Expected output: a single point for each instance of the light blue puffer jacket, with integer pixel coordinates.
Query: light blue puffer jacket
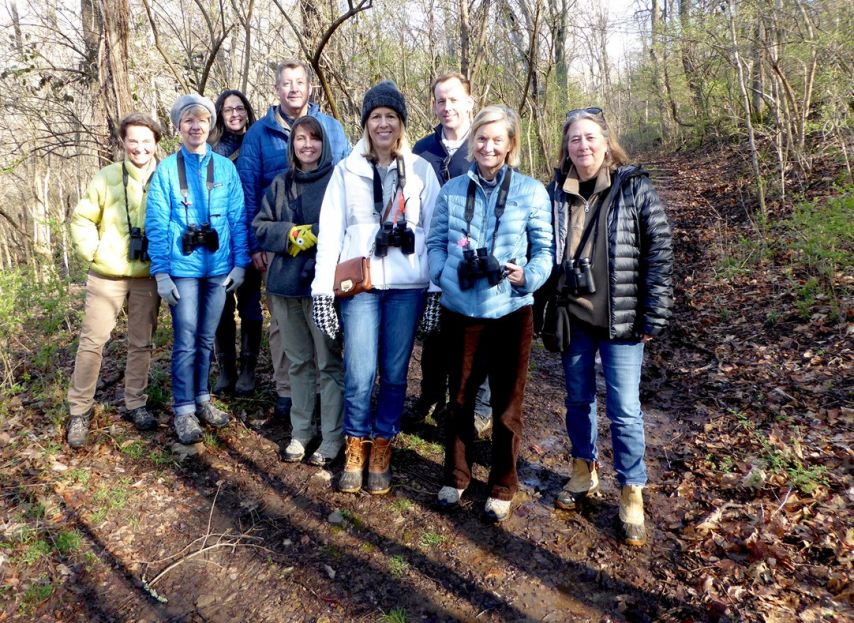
(166, 218)
(524, 234)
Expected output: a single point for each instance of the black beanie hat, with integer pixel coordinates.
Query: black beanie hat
(384, 93)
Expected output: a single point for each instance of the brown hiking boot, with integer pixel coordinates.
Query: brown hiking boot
(631, 515)
(357, 451)
(379, 469)
(584, 480)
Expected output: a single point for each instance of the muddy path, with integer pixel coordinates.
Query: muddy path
(232, 533)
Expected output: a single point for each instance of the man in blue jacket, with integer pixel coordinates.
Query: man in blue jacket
(263, 156)
(446, 149)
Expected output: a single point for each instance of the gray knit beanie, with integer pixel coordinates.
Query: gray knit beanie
(193, 99)
(384, 93)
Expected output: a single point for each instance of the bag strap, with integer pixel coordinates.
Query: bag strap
(592, 224)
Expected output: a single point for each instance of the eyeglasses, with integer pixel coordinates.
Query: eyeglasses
(240, 110)
(593, 110)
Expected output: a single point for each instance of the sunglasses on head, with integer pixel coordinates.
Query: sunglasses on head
(593, 110)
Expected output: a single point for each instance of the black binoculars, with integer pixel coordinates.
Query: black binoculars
(199, 236)
(394, 235)
(478, 263)
(138, 248)
(579, 276)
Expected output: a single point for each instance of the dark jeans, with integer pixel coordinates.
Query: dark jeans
(434, 374)
(247, 301)
(499, 349)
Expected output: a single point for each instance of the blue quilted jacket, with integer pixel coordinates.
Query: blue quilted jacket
(524, 234)
(264, 154)
(166, 217)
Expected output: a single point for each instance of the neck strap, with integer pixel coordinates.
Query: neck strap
(125, 185)
(185, 191)
(378, 192)
(592, 225)
(500, 204)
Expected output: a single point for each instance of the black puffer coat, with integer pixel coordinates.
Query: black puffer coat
(640, 253)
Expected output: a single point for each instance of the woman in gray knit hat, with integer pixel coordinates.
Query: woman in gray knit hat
(197, 240)
(378, 205)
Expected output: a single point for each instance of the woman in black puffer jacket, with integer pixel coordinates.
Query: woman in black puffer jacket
(614, 278)
(287, 225)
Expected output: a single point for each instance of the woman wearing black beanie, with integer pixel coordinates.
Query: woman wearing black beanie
(378, 205)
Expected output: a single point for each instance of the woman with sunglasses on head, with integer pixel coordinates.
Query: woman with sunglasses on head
(490, 248)
(234, 115)
(614, 261)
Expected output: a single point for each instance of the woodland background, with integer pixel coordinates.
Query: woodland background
(774, 75)
(741, 109)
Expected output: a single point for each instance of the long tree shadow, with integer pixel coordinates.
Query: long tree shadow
(518, 552)
(100, 599)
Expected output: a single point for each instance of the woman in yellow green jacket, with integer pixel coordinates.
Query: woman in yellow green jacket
(107, 228)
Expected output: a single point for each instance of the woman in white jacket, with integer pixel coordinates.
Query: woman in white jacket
(378, 204)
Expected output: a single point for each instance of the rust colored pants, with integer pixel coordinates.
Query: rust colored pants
(500, 349)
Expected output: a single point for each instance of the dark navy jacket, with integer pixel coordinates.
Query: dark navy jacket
(433, 151)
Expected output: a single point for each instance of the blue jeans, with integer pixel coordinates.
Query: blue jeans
(194, 322)
(621, 363)
(379, 327)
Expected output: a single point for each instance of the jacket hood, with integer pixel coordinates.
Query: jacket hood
(325, 154)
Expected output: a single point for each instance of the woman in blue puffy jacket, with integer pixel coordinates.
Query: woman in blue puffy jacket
(490, 247)
(196, 226)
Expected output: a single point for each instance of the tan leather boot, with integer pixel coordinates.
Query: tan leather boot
(631, 515)
(357, 451)
(379, 468)
(584, 480)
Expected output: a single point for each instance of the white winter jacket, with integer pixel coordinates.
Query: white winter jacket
(349, 224)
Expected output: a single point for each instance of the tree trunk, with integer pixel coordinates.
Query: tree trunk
(561, 68)
(465, 38)
(692, 77)
(745, 100)
(658, 69)
(16, 24)
(105, 38)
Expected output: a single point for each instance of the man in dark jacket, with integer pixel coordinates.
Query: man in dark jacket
(446, 149)
(263, 156)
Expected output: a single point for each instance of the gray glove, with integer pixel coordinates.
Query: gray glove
(430, 318)
(234, 279)
(166, 288)
(324, 315)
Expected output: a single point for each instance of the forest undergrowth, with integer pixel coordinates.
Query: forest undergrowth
(751, 507)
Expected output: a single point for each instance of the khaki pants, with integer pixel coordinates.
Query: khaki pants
(105, 299)
(315, 363)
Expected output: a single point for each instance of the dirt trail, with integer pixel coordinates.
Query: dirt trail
(280, 544)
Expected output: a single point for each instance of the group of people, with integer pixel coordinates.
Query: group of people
(455, 241)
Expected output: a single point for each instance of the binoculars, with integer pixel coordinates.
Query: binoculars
(138, 248)
(394, 235)
(199, 236)
(478, 263)
(579, 276)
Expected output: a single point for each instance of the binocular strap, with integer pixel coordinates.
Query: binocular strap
(185, 191)
(500, 204)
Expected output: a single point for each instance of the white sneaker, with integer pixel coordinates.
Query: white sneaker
(497, 510)
(294, 452)
(448, 497)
